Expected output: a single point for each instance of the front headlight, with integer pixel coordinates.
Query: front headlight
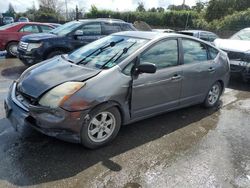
(58, 95)
(32, 46)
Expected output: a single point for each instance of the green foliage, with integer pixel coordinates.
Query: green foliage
(140, 7)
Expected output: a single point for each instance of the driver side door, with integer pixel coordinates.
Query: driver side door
(158, 92)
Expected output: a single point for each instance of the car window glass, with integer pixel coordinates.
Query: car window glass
(30, 29)
(91, 29)
(45, 28)
(163, 54)
(110, 28)
(213, 52)
(193, 51)
(212, 37)
(204, 36)
(126, 27)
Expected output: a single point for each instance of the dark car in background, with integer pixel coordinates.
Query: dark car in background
(203, 35)
(11, 34)
(66, 38)
(75, 97)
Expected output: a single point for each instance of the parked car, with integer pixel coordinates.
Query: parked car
(163, 30)
(66, 38)
(55, 24)
(8, 20)
(11, 34)
(203, 35)
(86, 96)
(238, 50)
(23, 19)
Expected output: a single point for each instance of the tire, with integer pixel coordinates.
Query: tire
(55, 53)
(213, 95)
(93, 133)
(11, 49)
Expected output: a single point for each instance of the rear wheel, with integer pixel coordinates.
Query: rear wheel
(102, 127)
(213, 95)
(12, 49)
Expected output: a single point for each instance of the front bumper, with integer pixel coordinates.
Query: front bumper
(240, 68)
(57, 123)
(29, 58)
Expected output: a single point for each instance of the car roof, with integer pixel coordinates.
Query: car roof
(102, 19)
(150, 35)
(194, 31)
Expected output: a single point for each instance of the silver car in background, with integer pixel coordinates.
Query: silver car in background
(86, 96)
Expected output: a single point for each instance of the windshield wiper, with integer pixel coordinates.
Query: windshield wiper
(101, 49)
(124, 51)
(67, 59)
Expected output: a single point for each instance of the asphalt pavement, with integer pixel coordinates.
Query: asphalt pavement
(192, 147)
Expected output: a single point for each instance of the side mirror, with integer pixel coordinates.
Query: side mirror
(146, 68)
(78, 33)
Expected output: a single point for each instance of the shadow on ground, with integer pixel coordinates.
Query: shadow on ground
(32, 158)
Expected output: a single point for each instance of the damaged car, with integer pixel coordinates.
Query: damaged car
(86, 96)
(238, 50)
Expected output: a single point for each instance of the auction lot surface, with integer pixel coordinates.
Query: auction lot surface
(192, 147)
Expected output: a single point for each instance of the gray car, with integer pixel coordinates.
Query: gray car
(86, 96)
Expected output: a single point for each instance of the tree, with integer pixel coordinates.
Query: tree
(160, 9)
(217, 9)
(199, 6)
(152, 9)
(10, 11)
(140, 7)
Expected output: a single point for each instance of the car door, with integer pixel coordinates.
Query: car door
(90, 33)
(198, 71)
(158, 92)
(109, 28)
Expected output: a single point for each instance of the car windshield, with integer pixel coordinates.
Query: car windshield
(106, 52)
(7, 18)
(8, 26)
(65, 28)
(242, 35)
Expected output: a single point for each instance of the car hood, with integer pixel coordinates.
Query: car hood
(233, 45)
(38, 37)
(42, 77)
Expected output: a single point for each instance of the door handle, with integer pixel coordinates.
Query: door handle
(176, 77)
(211, 69)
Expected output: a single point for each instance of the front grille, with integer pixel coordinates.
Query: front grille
(23, 45)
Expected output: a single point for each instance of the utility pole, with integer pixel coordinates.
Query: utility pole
(77, 13)
(183, 4)
(66, 5)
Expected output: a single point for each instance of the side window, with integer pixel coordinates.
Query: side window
(163, 54)
(204, 36)
(45, 28)
(126, 27)
(212, 52)
(92, 29)
(30, 29)
(194, 51)
(109, 28)
(212, 37)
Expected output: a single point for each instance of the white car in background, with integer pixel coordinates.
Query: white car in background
(238, 50)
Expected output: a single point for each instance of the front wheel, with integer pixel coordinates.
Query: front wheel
(213, 95)
(12, 49)
(102, 127)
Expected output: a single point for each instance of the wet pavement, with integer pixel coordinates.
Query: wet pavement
(192, 147)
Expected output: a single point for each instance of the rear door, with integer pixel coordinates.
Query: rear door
(198, 71)
(28, 29)
(109, 28)
(158, 92)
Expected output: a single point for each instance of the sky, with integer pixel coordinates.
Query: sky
(120, 5)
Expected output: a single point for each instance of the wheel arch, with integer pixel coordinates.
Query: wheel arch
(10, 42)
(109, 104)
